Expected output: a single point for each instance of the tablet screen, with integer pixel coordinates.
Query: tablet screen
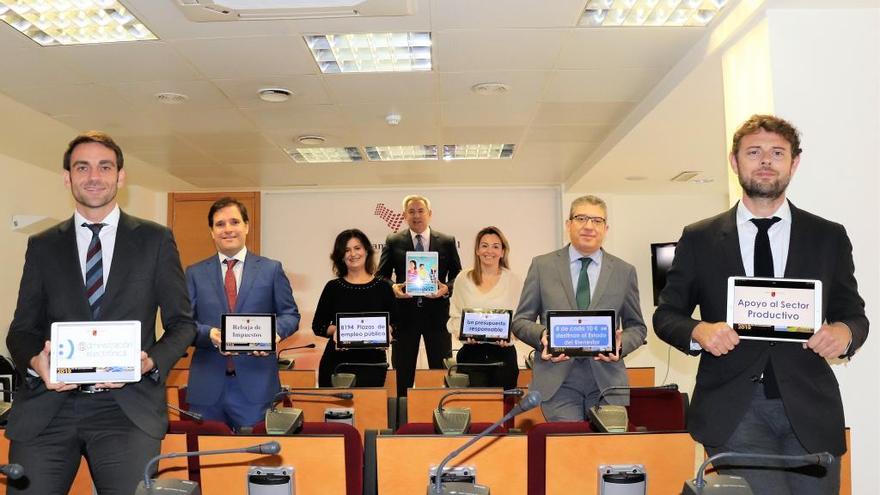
(581, 333)
(774, 308)
(485, 324)
(358, 330)
(247, 332)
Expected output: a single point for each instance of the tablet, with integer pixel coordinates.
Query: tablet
(247, 332)
(581, 333)
(774, 308)
(485, 325)
(362, 330)
(95, 352)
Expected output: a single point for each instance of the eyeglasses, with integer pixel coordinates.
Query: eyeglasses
(597, 221)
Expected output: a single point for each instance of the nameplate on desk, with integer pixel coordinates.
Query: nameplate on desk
(95, 352)
(248, 333)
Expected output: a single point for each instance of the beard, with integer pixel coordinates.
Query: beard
(756, 189)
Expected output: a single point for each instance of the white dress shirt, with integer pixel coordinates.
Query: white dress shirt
(107, 235)
(779, 233)
(237, 270)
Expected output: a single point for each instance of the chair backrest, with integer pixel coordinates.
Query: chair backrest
(656, 410)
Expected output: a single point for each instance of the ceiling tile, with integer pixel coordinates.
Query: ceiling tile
(126, 62)
(524, 85)
(382, 88)
(561, 133)
(496, 49)
(626, 48)
(243, 91)
(295, 116)
(230, 58)
(488, 112)
(202, 95)
(574, 113)
(168, 22)
(418, 114)
(483, 14)
(601, 85)
(70, 99)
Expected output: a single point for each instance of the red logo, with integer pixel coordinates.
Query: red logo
(94, 333)
(773, 293)
(391, 218)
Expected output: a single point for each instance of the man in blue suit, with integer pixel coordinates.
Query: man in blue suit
(235, 389)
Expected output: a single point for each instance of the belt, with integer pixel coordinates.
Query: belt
(90, 389)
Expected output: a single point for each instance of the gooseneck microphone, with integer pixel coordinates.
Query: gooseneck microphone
(285, 363)
(462, 380)
(614, 419)
(307, 346)
(12, 471)
(286, 420)
(190, 414)
(530, 401)
(150, 486)
(720, 484)
(457, 420)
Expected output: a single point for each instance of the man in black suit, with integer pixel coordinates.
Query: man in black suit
(419, 316)
(759, 396)
(105, 265)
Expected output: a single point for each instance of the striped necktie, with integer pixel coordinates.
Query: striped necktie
(94, 270)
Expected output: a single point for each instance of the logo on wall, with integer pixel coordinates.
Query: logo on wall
(391, 218)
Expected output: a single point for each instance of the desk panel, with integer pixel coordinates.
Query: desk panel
(485, 408)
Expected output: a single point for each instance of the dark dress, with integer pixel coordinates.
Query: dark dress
(340, 296)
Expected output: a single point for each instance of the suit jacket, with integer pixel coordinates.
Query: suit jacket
(707, 254)
(145, 274)
(392, 266)
(548, 287)
(264, 288)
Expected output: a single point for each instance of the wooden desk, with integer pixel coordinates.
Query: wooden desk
(184, 362)
(668, 458)
(403, 462)
(370, 406)
(319, 462)
(485, 408)
(298, 378)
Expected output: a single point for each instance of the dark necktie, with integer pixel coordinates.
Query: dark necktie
(94, 270)
(229, 284)
(419, 245)
(764, 268)
(582, 294)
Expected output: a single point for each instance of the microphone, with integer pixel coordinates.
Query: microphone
(286, 364)
(185, 487)
(720, 484)
(455, 421)
(12, 471)
(190, 414)
(530, 401)
(463, 380)
(287, 420)
(614, 419)
(347, 380)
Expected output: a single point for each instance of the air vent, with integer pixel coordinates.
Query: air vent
(685, 176)
(261, 10)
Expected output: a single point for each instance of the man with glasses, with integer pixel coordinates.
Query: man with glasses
(580, 276)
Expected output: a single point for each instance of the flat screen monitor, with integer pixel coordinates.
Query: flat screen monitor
(662, 254)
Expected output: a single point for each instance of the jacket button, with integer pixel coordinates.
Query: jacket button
(772, 344)
(755, 378)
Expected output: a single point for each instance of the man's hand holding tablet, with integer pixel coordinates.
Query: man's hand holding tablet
(581, 333)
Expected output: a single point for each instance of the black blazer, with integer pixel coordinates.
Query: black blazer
(707, 254)
(392, 266)
(145, 274)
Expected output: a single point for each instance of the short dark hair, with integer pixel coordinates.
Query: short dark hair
(223, 203)
(769, 123)
(94, 137)
(338, 254)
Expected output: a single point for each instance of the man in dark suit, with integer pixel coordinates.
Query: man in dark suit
(422, 316)
(583, 276)
(235, 389)
(759, 396)
(101, 265)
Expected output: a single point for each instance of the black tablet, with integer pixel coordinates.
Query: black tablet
(485, 325)
(774, 308)
(581, 333)
(362, 330)
(247, 332)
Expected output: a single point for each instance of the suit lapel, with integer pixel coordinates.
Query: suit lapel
(69, 257)
(123, 258)
(728, 239)
(251, 272)
(433, 243)
(562, 266)
(797, 237)
(407, 240)
(215, 276)
(605, 271)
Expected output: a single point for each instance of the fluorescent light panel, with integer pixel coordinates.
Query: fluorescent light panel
(73, 22)
(640, 13)
(401, 153)
(478, 151)
(325, 155)
(371, 52)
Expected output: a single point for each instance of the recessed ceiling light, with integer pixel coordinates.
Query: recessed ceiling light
(477, 151)
(670, 13)
(78, 22)
(635, 178)
(325, 155)
(371, 52)
(311, 140)
(169, 98)
(401, 153)
(274, 95)
(490, 89)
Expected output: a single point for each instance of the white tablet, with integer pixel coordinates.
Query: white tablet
(774, 308)
(95, 352)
